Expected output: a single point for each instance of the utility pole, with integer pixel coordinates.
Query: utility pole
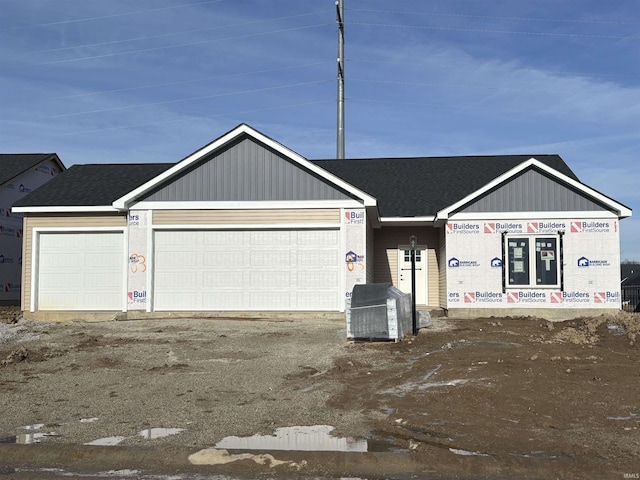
(340, 21)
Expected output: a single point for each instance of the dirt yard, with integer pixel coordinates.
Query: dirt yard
(504, 398)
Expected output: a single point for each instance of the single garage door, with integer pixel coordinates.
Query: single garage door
(80, 271)
(246, 270)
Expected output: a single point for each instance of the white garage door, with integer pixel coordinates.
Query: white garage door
(246, 270)
(80, 271)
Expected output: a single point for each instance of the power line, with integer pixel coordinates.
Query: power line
(144, 50)
(168, 84)
(452, 85)
(137, 12)
(162, 122)
(163, 35)
(561, 72)
(508, 32)
(125, 107)
(490, 17)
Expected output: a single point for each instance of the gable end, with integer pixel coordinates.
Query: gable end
(245, 170)
(533, 191)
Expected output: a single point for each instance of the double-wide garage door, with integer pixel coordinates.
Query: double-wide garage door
(80, 271)
(246, 270)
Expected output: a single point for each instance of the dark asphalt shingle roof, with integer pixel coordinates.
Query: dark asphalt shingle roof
(418, 186)
(14, 164)
(92, 185)
(422, 186)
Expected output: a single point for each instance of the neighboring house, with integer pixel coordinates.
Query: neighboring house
(246, 224)
(19, 175)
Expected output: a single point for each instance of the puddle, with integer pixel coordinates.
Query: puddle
(30, 438)
(467, 453)
(147, 433)
(630, 417)
(314, 438)
(616, 329)
(107, 441)
(153, 433)
(89, 420)
(448, 383)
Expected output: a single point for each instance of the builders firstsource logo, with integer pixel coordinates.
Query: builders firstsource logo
(354, 218)
(463, 228)
(594, 226)
(526, 297)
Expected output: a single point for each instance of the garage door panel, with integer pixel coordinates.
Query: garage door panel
(224, 280)
(249, 270)
(80, 271)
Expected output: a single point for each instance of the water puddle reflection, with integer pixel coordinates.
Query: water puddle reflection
(30, 438)
(147, 433)
(107, 441)
(315, 438)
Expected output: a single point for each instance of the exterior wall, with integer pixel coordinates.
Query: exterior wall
(354, 237)
(590, 267)
(142, 223)
(442, 268)
(56, 221)
(532, 191)
(246, 217)
(370, 253)
(386, 242)
(246, 170)
(11, 229)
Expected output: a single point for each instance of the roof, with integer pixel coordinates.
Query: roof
(422, 186)
(633, 280)
(400, 188)
(92, 185)
(13, 165)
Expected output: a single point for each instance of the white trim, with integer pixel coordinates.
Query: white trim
(125, 270)
(35, 250)
(150, 261)
(406, 221)
(342, 299)
(66, 209)
(531, 215)
(252, 205)
(250, 226)
(532, 162)
(123, 202)
(77, 229)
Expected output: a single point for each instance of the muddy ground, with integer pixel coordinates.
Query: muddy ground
(504, 398)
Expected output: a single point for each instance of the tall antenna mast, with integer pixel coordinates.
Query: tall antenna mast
(340, 20)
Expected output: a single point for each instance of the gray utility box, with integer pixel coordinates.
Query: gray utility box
(380, 311)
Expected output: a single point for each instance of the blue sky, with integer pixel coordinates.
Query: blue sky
(124, 81)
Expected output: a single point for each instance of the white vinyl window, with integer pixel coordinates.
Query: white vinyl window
(532, 261)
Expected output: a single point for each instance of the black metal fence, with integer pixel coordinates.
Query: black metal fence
(631, 298)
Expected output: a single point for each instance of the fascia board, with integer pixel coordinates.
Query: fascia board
(66, 209)
(123, 202)
(368, 200)
(622, 210)
(246, 205)
(398, 221)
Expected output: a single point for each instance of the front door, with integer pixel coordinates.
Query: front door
(404, 272)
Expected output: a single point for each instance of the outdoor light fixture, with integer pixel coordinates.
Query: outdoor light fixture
(412, 241)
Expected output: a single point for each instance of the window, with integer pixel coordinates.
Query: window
(532, 261)
(407, 255)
